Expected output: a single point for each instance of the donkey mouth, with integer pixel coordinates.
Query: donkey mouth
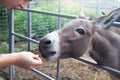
(48, 54)
(52, 53)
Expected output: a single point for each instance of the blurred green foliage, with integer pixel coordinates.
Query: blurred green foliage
(3, 23)
(4, 47)
(41, 23)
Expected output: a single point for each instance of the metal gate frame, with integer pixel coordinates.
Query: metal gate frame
(12, 34)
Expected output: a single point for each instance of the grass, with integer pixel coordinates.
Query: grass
(24, 47)
(4, 47)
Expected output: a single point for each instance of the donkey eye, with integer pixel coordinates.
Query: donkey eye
(80, 31)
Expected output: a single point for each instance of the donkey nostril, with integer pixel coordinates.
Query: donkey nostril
(47, 42)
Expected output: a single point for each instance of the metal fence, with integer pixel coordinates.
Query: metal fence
(28, 38)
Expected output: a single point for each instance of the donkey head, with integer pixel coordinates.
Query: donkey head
(73, 40)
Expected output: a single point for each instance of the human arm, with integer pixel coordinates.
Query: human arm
(25, 60)
(13, 4)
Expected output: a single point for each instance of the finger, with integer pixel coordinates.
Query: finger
(22, 6)
(37, 62)
(36, 57)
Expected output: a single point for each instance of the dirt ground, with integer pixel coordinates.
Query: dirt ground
(70, 69)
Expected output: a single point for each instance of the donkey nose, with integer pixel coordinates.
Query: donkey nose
(46, 42)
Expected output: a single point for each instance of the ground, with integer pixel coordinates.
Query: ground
(70, 69)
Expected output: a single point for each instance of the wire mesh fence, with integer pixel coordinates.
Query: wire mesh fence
(3, 23)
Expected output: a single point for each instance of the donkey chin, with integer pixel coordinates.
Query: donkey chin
(49, 46)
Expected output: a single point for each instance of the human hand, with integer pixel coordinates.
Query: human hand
(13, 4)
(27, 60)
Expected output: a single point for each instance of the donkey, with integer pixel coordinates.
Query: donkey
(80, 36)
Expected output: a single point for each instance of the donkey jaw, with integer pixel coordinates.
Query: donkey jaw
(50, 55)
(49, 46)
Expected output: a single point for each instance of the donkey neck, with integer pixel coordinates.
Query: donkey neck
(104, 47)
(103, 41)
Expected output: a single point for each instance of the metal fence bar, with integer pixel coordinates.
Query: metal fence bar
(50, 13)
(109, 69)
(116, 24)
(11, 40)
(97, 8)
(29, 39)
(58, 70)
(42, 74)
(58, 14)
(59, 26)
(29, 27)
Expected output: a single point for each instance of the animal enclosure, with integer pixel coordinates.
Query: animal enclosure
(29, 39)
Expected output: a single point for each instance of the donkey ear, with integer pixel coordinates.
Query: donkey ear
(81, 15)
(98, 20)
